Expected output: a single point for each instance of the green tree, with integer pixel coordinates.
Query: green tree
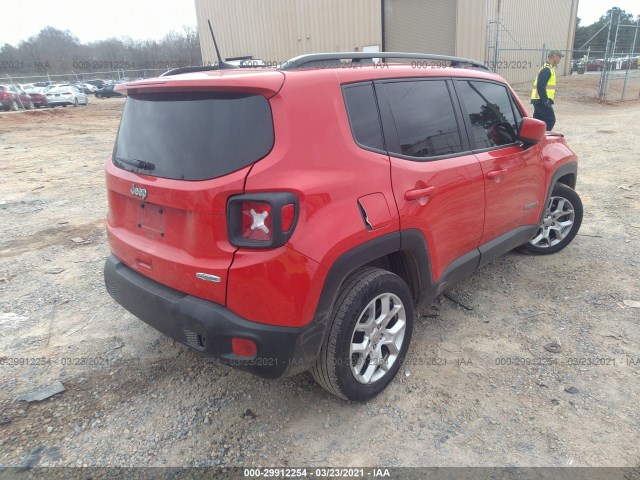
(54, 51)
(583, 37)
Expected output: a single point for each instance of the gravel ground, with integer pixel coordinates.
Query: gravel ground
(478, 388)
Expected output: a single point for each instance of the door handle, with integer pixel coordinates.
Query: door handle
(497, 173)
(419, 193)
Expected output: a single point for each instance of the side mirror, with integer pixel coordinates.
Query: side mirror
(532, 131)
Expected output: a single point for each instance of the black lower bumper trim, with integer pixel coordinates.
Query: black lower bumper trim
(206, 326)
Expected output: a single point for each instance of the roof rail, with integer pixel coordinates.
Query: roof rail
(328, 60)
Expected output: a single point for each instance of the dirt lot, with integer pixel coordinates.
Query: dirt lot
(478, 389)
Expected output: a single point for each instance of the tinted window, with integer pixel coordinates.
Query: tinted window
(517, 113)
(363, 115)
(424, 118)
(490, 112)
(193, 136)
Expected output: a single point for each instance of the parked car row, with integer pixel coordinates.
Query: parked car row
(13, 98)
(52, 94)
(632, 63)
(598, 64)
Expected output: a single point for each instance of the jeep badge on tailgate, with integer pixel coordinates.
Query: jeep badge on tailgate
(138, 192)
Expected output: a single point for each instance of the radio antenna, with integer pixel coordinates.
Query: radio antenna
(222, 64)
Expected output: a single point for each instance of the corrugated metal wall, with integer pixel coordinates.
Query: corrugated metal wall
(421, 26)
(277, 30)
(526, 27)
(471, 33)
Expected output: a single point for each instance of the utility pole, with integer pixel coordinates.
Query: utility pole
(615, 41)
(602, 90)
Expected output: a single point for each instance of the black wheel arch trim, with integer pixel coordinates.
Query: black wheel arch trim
(568, 169)
(407, 241)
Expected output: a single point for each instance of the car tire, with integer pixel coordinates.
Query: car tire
(75, 102)
(14, 106)
(560, 224)
(86, 100)
(98, 96)
(365, 346)
(30, 106)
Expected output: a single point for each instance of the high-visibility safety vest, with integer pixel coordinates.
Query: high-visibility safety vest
(551, 84)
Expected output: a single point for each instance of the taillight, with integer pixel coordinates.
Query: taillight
(262, 220)
(256, 221)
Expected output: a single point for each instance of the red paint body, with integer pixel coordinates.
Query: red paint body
(183, 229)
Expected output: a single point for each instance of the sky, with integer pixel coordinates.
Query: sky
(90, 21)
(589, 11)
(153, 19)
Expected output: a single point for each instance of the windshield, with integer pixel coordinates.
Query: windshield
(193, 136)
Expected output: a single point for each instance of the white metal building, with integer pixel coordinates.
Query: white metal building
(276, 30)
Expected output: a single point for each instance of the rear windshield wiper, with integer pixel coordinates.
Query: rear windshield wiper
(134, 162)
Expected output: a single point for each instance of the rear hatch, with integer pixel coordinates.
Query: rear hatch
(184, 146)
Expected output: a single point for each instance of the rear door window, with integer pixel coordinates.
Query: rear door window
(193, 136)
(424, 118)
(489, 109)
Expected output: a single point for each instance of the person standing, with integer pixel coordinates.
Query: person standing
(544, 90)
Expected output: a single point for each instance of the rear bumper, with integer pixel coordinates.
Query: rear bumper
(208, 327)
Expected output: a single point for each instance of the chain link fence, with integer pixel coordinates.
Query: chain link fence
(618, 76)
(616, 62)
(82, 77)
(620, 79)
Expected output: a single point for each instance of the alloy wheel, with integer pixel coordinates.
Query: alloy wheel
(377, 338)
(556, 224)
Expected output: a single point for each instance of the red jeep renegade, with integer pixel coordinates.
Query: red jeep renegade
(292, 219)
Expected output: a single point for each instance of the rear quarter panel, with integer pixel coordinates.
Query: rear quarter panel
(316, 158)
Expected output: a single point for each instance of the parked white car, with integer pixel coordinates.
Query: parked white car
(66, 95)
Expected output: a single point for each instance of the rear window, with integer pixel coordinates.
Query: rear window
(193, 136)
(363, 115)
